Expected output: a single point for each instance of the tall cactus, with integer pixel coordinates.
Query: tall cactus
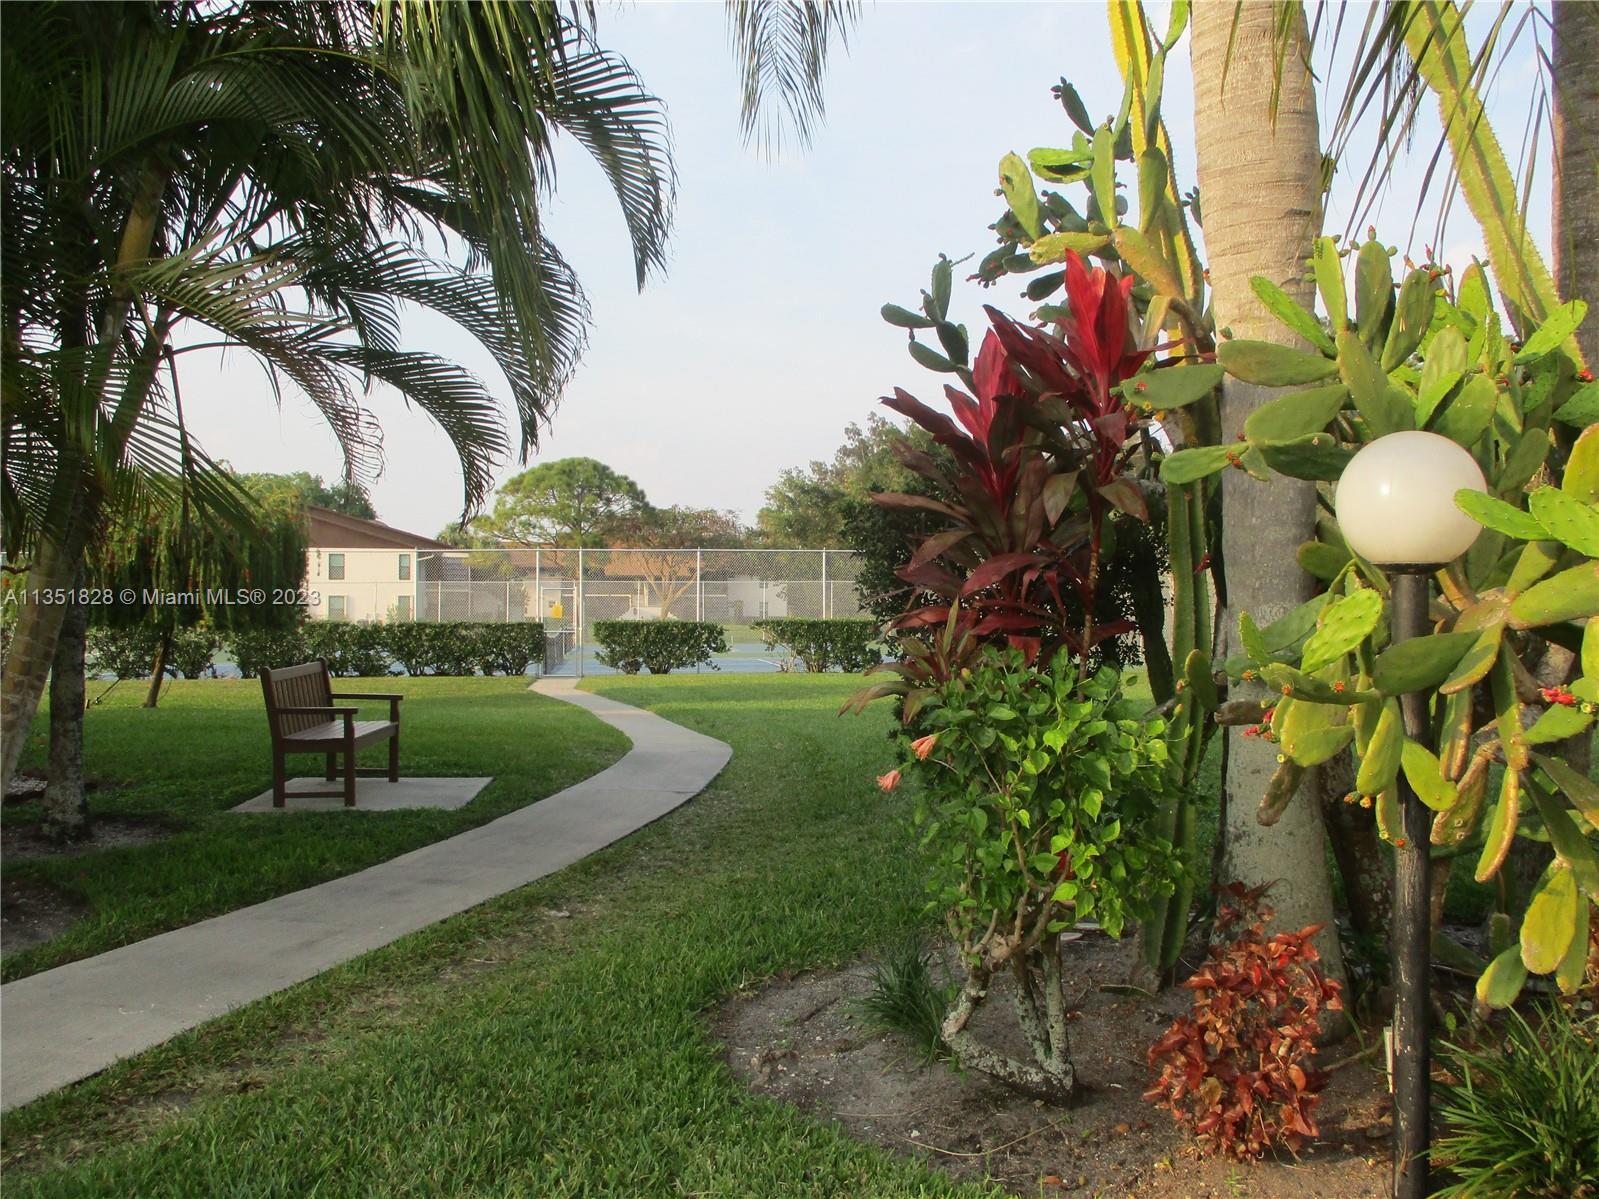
(1423, 359)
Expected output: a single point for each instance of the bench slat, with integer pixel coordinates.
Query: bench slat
(331, 734)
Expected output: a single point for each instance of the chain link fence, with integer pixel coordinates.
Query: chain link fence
(569, 590)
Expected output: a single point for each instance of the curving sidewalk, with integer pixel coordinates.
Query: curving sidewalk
(65, 1024)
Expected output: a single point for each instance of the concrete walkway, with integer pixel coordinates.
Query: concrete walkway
(68, 1023)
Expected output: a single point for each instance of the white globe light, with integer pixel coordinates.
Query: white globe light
(1396, 500)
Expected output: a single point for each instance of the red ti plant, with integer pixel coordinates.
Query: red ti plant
(1040, 459)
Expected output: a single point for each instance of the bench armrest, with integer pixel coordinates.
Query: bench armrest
(393, 700)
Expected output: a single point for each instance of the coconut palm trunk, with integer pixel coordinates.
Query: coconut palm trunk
(1260, 179)
(66, 806)
(33, 646)
(1576, 121)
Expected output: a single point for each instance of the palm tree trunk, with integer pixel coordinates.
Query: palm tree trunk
(33, 645)
(1576, 121)
(1260, 174)
(158, 671)
(61, 549)
(1362, 864)
(66, 807)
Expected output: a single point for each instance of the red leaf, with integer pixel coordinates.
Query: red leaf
(916, 503)
(996, 568)
(1125, 495)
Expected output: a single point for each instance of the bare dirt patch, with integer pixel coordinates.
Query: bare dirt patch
(801, 1040)
(22, 842)
(32, 913)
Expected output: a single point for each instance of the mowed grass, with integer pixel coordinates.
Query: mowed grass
(551, 1043)
(206, 748)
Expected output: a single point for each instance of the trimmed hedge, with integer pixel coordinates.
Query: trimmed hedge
(354, 651)
(659, 645)
(841, 643)
(416, 647)
(192, 651)
(129, 653)
(253, 649)
(126, 653)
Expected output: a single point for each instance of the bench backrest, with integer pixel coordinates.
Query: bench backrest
(306, 686)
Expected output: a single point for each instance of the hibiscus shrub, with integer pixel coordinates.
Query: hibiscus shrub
(1238, 1070)
(1035, 796)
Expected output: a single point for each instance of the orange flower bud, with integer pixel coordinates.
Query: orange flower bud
(923, 746)
(888, 781)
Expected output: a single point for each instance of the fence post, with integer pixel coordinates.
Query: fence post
(824, 584)
(699, 586)
(578, 617)
(538, 588)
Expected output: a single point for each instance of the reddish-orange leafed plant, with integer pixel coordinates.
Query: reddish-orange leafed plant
(1238, 1070)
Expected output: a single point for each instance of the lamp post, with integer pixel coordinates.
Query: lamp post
(1396, 508)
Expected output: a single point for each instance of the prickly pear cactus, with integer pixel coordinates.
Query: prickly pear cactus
(1436, 357)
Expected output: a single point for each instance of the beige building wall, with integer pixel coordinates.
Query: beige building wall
(361, 584)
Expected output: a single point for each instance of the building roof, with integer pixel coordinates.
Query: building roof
(335, 530)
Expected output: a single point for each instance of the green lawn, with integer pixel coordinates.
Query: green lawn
(552, 1042)
(513, 1052)
(205, 749)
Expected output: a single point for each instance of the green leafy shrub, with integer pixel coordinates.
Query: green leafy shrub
(660, 646)
(192, 650)
(509, 647)
(256, 649)
(127, 653)
(1238, 1070)
(351, 650)
(453, 648)
(1036, 797)
(1523, 1116)
(414, 646)
(842, 643)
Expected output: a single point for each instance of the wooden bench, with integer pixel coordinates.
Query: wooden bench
(304, 720)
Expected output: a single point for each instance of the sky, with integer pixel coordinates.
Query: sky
(763, 340)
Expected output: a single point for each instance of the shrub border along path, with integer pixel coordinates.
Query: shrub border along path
(65, 1024)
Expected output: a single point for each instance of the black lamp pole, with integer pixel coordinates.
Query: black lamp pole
(1412, 928)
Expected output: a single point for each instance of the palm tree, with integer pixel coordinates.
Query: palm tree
(269, 172)
(1260, 174)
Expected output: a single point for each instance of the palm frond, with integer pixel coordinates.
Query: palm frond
(456, 401)
(781, 49)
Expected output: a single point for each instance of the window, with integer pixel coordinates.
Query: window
(335, 566)
(405, 567)
(402, 608)
(337, 608)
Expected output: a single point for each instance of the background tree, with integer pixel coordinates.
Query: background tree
(569, 502)
(810, 507)
(657, 543)
(303, 489)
